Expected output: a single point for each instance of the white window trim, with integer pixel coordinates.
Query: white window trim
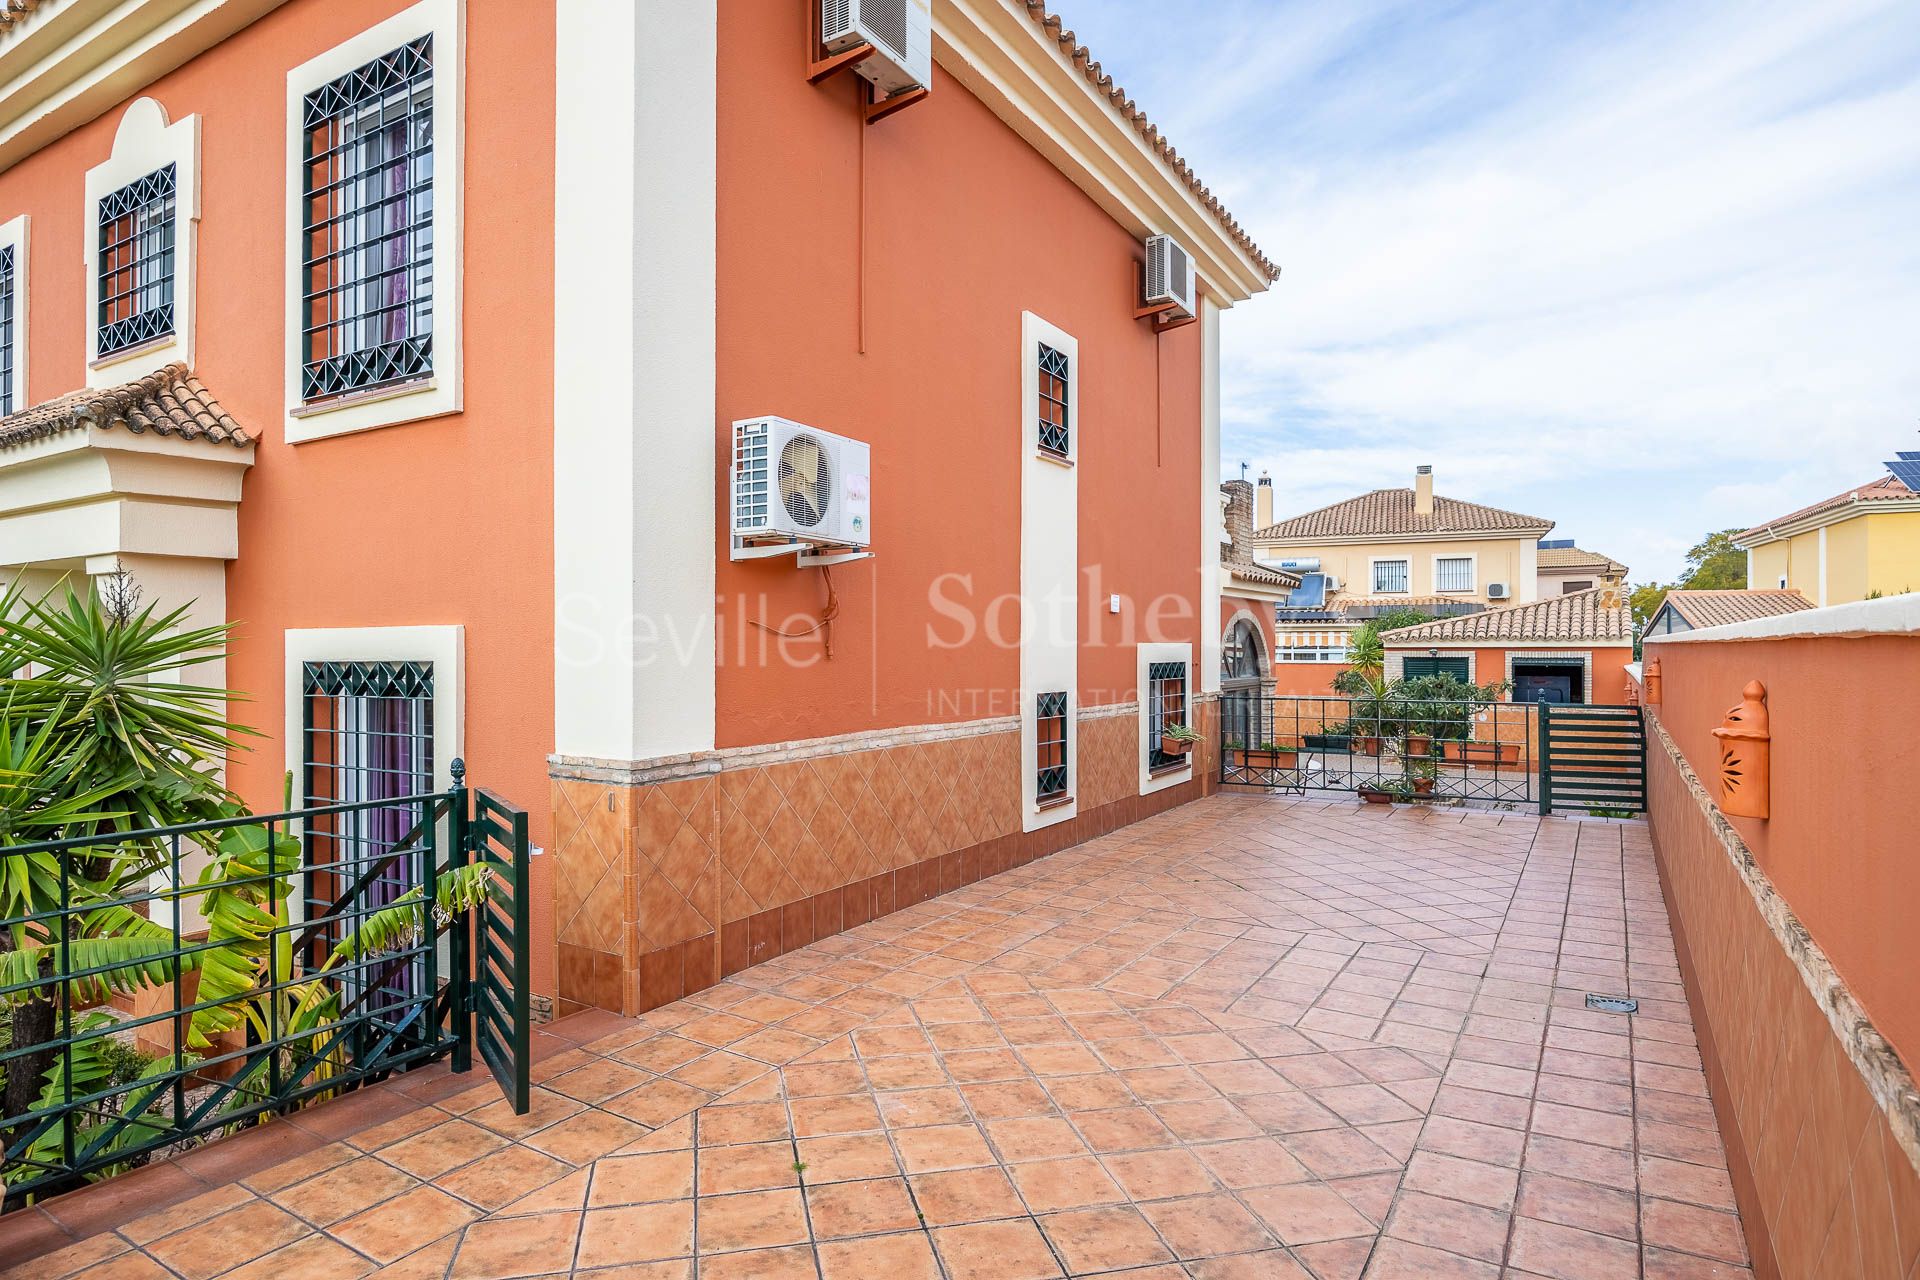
(14, 235)
(143, 143)
(1049, 571)
(1146, 656)
(1473, 574)
(1373, 588)
(443, 646)
(439, 394)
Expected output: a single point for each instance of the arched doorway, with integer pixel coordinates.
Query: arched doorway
(1244, 681)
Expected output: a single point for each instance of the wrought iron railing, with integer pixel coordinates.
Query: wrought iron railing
(181, 982)
(1405, 748)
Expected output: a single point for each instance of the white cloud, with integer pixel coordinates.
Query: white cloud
(1647, 270)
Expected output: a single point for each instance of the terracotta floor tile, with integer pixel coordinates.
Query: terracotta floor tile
(1073, 1183)
(513, 1247)
(938, 1147)
(224, 1242)
(751, 1220)
(749, 1167)
(1206, 1226)
(1565, 1253)
(641, 1179)
(1089, 1240)
(1449, 1225)
(965, 1195)
(317, 1257)
(794, 1262)
(1250, 1162)
(845, 1157)
(1012, 1250)
(130, 1266)
(1034, 1138)
(911, 1107)
(399, 1226)
(495, 1181)
(1159, 1175)
(636, 1233)
(1689, 1228)
(187, 1213)
(1401, 1260)
(1123, 1129)
(874, 1207)
(586, 1137)
(345, 1190)
(908, 1256)
(1579, 1204)
(813, 1117)
(67, 1261)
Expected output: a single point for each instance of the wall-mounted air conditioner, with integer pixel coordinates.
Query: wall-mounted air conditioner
(1497, 591)
(1169, 275)
(900, 31)
(793, 482)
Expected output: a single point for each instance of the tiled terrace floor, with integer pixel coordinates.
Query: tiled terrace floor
(1246, 1038)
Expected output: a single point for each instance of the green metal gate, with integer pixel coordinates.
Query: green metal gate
(1592, 757)
(502, 1019)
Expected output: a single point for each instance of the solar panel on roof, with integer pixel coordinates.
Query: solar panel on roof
(1906, 468)
(1556, 544)
(1310, 594)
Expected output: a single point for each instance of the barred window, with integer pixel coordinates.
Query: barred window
(1390, 577)
(1050, 740)
(1055, 434)
(368, 729)
(367, 226)
(6, 330)
(1453, 573)
(137, 261)
(1166, 705)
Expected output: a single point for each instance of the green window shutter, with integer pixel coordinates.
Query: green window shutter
(1458, 668)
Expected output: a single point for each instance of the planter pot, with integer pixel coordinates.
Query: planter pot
(1284, 758)
(1329, 742)
(1366, 746)
(1423, 786)
(1470, 752)
(1419, 746)
(1174, 746)
(1372, 796)
(1237, 758)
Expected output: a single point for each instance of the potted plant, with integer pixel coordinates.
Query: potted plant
(1423, 774)
(1236, 752)
(1177, 740)
(1271, 755)
(1474, 751)
(1375, 793)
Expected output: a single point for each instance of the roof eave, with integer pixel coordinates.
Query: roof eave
(1780, 531)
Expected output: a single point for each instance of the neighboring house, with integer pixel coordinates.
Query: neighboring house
(414, 336)
(1565, 568)
(1381, 553)
(1565, 648)
(1851, 546)
(1394, 546)
(1684, 610)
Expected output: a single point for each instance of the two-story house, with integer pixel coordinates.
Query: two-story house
(1853, 545)
(726, 433)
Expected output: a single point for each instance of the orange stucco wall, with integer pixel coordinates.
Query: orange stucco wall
(439, 522)
(1840, 844)
(965, 226)
(1305, 679)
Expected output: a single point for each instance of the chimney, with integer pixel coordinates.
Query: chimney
(1263, 502)
(1239, 514)
(1423, 491)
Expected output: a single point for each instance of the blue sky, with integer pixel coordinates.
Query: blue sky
(1646, 269)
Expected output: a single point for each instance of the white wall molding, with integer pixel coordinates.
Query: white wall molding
(14, 236)
(634, 359)
(1049, 570)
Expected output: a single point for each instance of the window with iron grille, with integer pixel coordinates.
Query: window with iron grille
(367, 226)
(1050, 742)
(1390, 576)
(137, 259)
(1453, 573)
(6, 330)
(1055, 370)
(367, 732)
(1166, 705)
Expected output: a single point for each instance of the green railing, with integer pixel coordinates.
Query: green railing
(262, 963)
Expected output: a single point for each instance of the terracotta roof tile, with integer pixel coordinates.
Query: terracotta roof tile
(1714, 608)
(1136, 116)
(1390, 511)
(1575, 558)
(1885, 489)
(1585, 617)
(169, 402)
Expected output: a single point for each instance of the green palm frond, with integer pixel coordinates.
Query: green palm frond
(126, 964)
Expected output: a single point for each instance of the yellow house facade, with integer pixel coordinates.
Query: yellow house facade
(1849, 547)
(1407, 546)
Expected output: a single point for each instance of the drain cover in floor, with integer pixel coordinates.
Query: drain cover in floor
(1613, 1004)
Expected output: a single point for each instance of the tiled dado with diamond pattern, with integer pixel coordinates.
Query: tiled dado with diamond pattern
(663, 887)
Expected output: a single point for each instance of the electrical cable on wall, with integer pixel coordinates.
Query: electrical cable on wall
(823, 625)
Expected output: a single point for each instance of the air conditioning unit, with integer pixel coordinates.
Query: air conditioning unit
(1497, 591)
(791, 482)
(900, 31)
(1169, 275)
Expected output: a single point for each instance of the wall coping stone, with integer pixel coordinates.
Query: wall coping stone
(1890, 616)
